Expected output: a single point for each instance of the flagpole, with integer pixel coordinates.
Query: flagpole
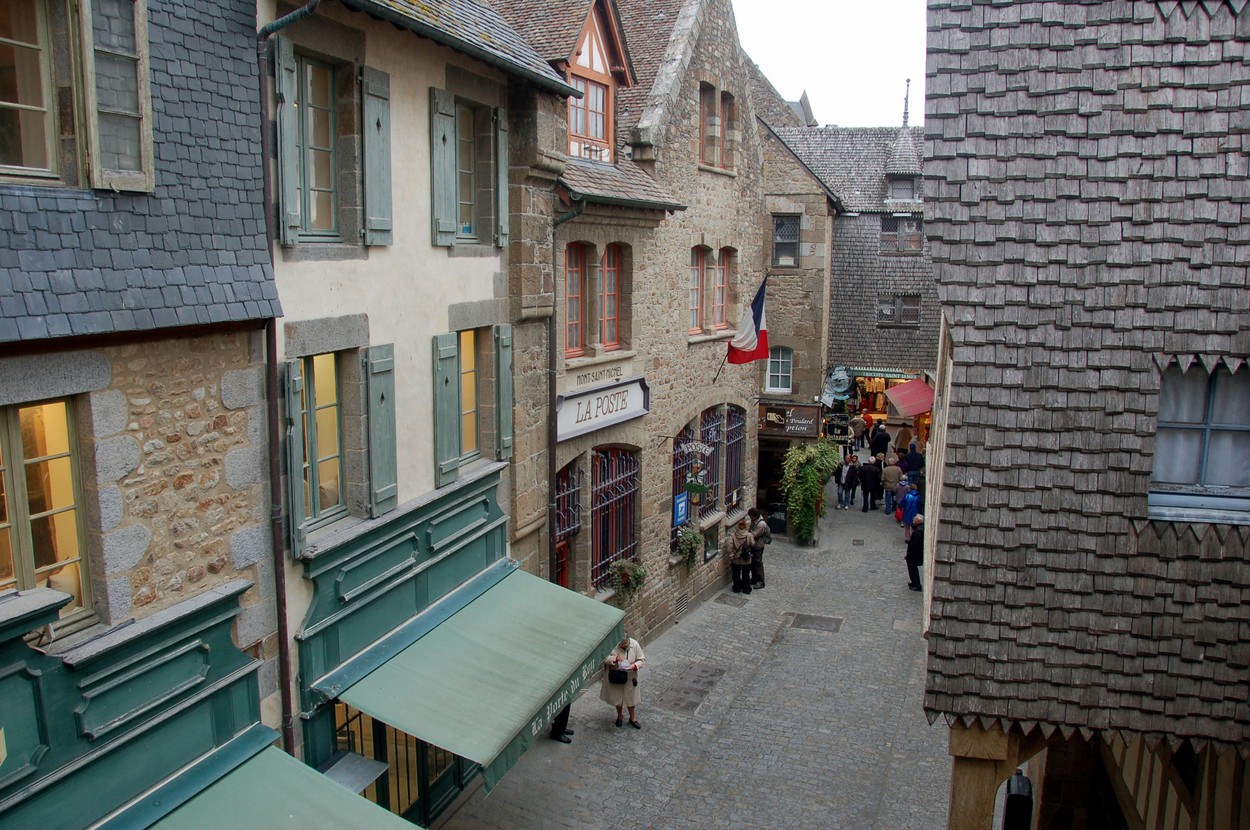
(723, 360)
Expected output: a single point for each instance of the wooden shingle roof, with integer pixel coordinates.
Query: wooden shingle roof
(852, 161)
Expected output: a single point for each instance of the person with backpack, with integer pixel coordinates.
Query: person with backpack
(762, 536)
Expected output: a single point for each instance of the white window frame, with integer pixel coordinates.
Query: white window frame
(779, 356)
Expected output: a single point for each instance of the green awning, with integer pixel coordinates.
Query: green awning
(273, 790)
(489, 679)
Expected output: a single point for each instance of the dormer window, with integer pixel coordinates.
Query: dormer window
(590, 117)
(903, 189)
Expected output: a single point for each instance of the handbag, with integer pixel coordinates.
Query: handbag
(617, 677)
(898, 514)
(746, 554)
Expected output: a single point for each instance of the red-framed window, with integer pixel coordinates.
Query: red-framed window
(590, 117)
(711, 433)
(574, 283)
(610, 298)
(698, 263)
(720, 290)
(614, 510)
(735, 440)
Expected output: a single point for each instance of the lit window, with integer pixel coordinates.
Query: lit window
(780, 367)
(468, 393)
(323, 444)
(40, 536)
(610, 298)
(1202, 448)
(590, 117)
(574, 282)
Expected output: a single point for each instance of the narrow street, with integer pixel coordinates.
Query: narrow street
(798, 706)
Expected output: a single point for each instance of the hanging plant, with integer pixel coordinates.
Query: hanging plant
(689, 544)
(805, 472)
(626, 578)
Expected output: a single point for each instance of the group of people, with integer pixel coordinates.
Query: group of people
(744, 545)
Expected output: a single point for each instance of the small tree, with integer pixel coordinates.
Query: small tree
(805, 472)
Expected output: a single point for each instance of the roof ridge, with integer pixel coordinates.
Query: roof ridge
(672, 69)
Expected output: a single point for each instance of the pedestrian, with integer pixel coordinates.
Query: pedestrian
(879, 444)
(857, 430)
(911, 509)
(915, 552)
(850, 481)
(560, 725)
(761, 536)
(739, 546)
(869, 481)
(902, 439)
(900, 492)
(890, 477)
(620, 679)
(915, 462)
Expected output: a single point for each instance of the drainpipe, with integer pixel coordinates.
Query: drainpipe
(276, 531)
(552, 431)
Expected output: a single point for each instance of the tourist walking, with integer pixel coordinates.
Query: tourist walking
(850, 481)
(869, 481)
(879, 444)
(915, 552)
(857, 430)
(911, 508)
(891, 475)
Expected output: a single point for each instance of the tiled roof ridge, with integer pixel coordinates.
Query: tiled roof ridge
(666, 89)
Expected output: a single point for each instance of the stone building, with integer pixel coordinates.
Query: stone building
(1090, 508)
(134, 497)
(883, 316)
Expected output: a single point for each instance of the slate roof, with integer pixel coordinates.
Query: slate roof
(550, 26)
(77, 262)
(649, 26)
(623, 184)
(852, 162)
(1086, 178)
(769, 106)
(473, 28)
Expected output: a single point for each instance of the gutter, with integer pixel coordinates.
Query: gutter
(552, 430)
(277, 532)
(621, 201)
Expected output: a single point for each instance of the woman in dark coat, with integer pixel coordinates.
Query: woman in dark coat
(915, 552)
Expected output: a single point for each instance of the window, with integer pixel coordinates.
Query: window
(614, 510)
(334, 167)
(1202, 449)
(40, 530)
(590, 117)
(469, 150)
(698, 264)
(610, 298)
(780, 368)
(785, 241)
(684, 458)
(728, 125)
(568, 518)
(340, 417)
(709, 125)
(720, 289)
(711, 433)
(902, 188)
(902, 234)
(574, 290)
(472, 398)
(735, 439)
(41, 89)
(898, 310)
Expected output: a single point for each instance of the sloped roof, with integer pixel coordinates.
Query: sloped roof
(616, 184)
(649, 25)
(472, 28)
(770, 107)
(852, 162)
(550, 26)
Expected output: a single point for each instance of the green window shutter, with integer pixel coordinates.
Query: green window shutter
(377, 141)
(297, 507)
(503, 392)
(501, 177)
(383, 472)
(443, 161)
(446, 408)
(287, 126)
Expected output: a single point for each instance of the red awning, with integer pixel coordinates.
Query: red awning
(911, 398)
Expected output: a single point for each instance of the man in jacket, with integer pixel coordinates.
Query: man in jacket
(857, 430)
(850, 480)
(760, 536)
(890, 477)
(880, 442)
(915, 462)
(869, 481)
(915, 552)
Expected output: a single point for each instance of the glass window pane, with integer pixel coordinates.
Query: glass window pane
(45, 430)
(1178, 456)
(321, 127)
(49, 485)
(1183, 396)
(468, 433)
(55, 539)
(1231, 404)
(329, 484)
(21, 75)
(467, 356)
(117, 83)
(19, 21)
(468, 392)
(66, 579)
(322, 170)
(120, 142)
(321, 210)
(318, 85)
(324, 370)
(6, 559)
(113, 25)
(327, 432)
(1228, 459)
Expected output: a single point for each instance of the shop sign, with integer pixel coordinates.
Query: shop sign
(681, 509)
(799, 420)
(839, 426)
(837, 386)
(591, 409)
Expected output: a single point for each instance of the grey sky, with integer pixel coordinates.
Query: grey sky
(852, 56)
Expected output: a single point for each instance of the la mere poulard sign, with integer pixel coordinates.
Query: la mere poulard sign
(797, 420)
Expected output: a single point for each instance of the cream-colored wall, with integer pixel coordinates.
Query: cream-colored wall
(405, 288)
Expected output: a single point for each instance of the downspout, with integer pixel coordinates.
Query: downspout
(276, 530)
(552, 431)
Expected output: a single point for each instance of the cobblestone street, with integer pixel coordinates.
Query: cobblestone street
(812, 716)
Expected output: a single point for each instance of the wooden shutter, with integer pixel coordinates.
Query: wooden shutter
(383, 471)
(501, 177)
(287, 79)
(377, 147)
(446, 408)
(297, 502)
(443, 161)
(503, 392)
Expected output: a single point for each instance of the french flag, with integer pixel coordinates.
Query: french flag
(751, 341)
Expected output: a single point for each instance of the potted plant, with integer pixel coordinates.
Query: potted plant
(626, 578)
(805, 471)
(689, 544)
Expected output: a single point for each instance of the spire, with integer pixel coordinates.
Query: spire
(903, 161)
